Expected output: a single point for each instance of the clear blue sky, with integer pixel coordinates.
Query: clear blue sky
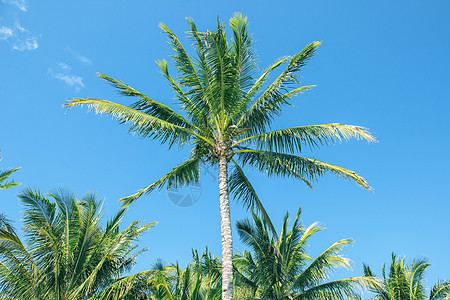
(383, 65)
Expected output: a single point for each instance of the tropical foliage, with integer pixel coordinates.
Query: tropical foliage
(226, 113)
(67, 254)
(404, 281)
(200, 280)
(279, 267)
(4, 183)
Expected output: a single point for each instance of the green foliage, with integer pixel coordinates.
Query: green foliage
(67, 254)
(4, 183)
(405, 282)
(200, 280)
(278, 267)
(226, 115)
(226, 111)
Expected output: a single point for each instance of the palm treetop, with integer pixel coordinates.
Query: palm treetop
(279, 266)
(67, 253)
(227, 111)
(405, 281)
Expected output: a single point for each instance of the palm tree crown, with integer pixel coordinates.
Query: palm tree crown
(226, 116)
(278, 267)
(404, 281)
(67, 254)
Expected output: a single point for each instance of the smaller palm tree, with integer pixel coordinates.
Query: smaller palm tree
(406, 282)
(67, 253)
(278, 267)
(200, 280)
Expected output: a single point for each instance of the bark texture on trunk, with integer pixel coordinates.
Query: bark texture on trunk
(225, 228)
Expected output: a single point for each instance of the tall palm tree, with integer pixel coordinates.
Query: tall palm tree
(278, 267)
(406, 282)
(225, 118)
(67, 253)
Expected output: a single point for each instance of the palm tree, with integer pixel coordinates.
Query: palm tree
(225, 118)
(406, 282)
(278, 267)
(4, 183)
(200, 280)
(67, 253)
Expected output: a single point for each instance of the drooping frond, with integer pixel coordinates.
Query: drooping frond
(142, 124)
(184, 173)
(293, 139)
(341, 289)
(241, 188)
(288, 165)
(146, 104)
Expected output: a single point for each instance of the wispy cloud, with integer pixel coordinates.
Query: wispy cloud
(83, 59)
(20, 38)
(62, 72)
(20, 4)
(5, 33)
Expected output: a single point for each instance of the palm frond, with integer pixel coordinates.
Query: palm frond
(269, 103)
(320, 267)
(188, 76)
(243, 58)
(142, 124)
(242, 190)
(293, 139)
(4, 184)
(184, 173)
(146, 104)
(288, 165)
(337, 290)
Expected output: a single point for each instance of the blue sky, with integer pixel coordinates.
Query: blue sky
(383, 65)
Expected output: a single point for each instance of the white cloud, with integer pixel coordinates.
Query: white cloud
(5, 33)
(84, 60)
(28, 42)
(64, 66)
(63, 73)
(20, 38)
(20, 4)
(72, 80)
(81, 58)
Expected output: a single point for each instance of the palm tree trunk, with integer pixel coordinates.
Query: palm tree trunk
(225, 228)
